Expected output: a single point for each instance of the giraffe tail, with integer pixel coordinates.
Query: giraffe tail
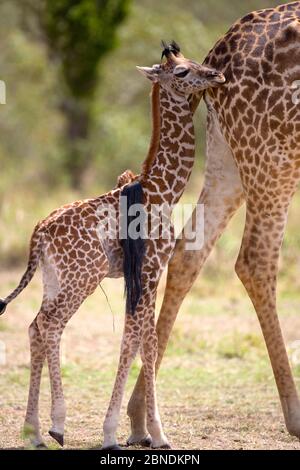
(133, 245)
(34, 257)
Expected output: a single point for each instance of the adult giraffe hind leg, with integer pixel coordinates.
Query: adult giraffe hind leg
(222, 195)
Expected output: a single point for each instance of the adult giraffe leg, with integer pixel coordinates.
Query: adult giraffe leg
(221, 196)
(257, 267)
(37, 351)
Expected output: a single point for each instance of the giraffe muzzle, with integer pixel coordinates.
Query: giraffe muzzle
(220, 79)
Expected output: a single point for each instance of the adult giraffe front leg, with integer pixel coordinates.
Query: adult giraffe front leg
(221, 196)
(257, 268)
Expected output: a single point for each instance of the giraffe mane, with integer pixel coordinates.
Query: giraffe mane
(155, 138)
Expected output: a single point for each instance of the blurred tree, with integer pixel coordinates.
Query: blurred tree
(79, 33)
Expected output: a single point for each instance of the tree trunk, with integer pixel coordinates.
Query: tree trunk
(78, 155)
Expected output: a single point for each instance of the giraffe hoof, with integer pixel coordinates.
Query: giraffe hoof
(145, 442)
(2, 307)
(58, 437)
(41, 446)
(111, 448)
(163, 447)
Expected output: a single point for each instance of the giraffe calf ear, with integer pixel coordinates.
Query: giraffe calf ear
(150, 73)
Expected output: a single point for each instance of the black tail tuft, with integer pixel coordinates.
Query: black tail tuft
(2, 307)
(133, 245)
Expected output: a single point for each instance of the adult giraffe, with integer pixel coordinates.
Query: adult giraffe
(253, 155)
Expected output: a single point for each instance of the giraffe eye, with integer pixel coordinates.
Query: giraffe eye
(182, 74)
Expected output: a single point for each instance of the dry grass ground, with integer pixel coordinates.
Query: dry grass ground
(216, 389)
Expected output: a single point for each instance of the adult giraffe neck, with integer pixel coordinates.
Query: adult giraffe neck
(170, 159)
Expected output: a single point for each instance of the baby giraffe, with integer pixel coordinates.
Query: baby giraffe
(76, 252)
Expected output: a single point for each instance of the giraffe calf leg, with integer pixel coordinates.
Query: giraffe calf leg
(58, 417)
(31, 432)
(129, 348)
(51, 321)
(149, 356)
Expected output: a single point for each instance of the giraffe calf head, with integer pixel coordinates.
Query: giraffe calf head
(180, 75)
